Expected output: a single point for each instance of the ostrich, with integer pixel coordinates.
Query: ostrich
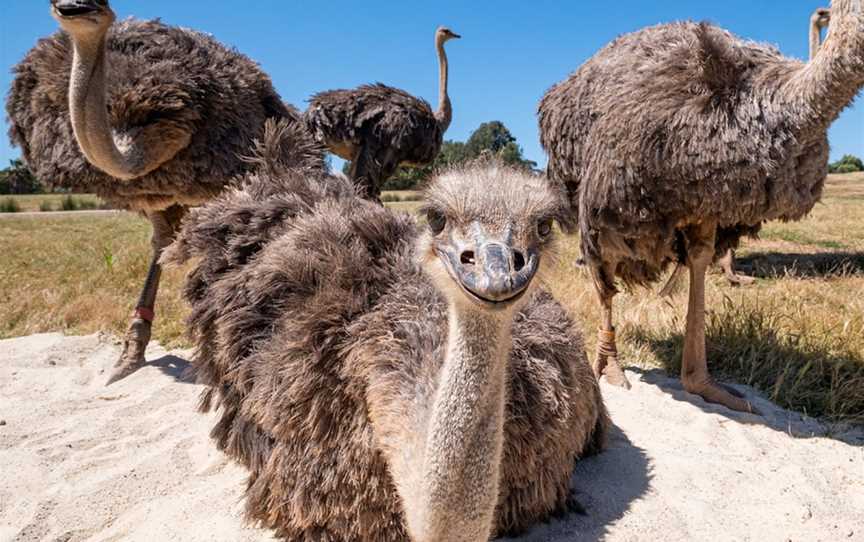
(152, 118)
(378, 128)
(382, 379)
(818, 21)
(676, 140)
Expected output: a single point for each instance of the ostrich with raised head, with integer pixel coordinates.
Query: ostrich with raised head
(384, 380)
(675, 141)
(378, 128)
(150, 117)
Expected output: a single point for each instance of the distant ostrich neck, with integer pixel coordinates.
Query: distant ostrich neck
(816, 26)
(445, 112)
(454, 490)
(124, 156)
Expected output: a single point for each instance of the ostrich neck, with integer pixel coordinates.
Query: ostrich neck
(125, 156)
(815, 38)
(461, 461)
(823, 87)
(445, 112)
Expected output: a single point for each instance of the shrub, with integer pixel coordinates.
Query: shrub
(846, 168)
(69, 204)
(46, 206)
(847, 164)
(9, 205)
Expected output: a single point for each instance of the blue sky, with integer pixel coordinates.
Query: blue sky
(511, 51)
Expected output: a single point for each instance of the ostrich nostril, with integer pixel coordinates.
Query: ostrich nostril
(518, 261)
(467, 258)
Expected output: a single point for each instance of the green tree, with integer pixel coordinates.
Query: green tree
(493, 138)
(847, 164)
(17, 179)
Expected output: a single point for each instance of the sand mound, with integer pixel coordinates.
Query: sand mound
(134, 462)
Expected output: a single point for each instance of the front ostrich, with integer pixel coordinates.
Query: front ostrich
(676, 140)
(378, 128)
(383, 380)
(150, 117)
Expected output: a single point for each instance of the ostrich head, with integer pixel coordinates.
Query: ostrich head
(821, 17)
(488, 235)
(83, 17)
(444, 34)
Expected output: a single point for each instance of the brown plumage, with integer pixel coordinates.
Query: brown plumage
(152, 118)
(321, 324)
(378, 128)
(676, 140)
(158, 73)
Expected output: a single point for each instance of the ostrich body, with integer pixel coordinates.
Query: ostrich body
(380, 379)
(676, 140)
(151, 118)
(378, 128)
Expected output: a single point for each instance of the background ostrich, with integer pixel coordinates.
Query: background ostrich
(676, 140)
(151, 118)
(378, 128)
(380, 379)
(818, 21)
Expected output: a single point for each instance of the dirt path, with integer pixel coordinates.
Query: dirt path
(134, 462)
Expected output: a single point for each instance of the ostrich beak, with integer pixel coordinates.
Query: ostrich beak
(76, 8)
(491, 271)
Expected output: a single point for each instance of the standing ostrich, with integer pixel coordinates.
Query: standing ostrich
(378, 128)
(152, 118)
(676, 140)
(381, 379)
(818, 21)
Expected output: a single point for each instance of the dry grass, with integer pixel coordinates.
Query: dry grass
(797, 333)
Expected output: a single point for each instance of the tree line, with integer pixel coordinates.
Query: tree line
(490, 138)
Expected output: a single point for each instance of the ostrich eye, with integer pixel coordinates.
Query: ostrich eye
(544, 227)
(436, 220)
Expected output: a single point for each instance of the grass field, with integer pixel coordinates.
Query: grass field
(797, 333)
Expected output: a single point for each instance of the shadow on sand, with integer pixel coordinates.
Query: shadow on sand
(778, 264)
(177, 368)
(605, 484)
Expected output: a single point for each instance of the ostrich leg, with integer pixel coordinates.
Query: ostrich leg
(365, 173)
(165, 225)
(727, 263)
(694, 363)
(606, 362)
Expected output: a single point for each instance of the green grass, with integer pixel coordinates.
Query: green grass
(797, 334)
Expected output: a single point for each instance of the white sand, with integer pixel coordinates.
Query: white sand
(79, 461)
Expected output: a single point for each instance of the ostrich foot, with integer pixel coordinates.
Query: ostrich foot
(134, 345)
(613, 372)
(606, 363)
(736, 279)
(720, 394)
(727, 263)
